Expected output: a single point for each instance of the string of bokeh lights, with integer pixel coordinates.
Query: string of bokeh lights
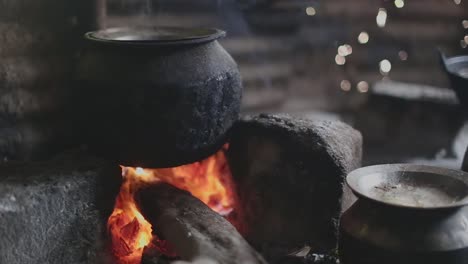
(385, 65)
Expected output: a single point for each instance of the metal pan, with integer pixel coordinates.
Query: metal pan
(411, 186)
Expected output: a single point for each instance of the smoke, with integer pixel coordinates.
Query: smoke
(229, 15)
(233, 20)
(145, 14)
(148, 7)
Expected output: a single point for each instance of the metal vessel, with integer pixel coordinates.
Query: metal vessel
(157, 97)
(406, 214)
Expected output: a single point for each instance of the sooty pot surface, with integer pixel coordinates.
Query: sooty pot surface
(157, 97)
(406, 214)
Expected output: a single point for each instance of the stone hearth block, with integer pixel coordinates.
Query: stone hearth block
(289, 174)
(55, 212)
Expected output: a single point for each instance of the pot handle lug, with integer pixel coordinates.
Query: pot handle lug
(442, 58)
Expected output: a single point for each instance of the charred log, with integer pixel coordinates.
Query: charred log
(192, 228)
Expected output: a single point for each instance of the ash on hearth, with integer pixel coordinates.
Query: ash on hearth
(305, 255)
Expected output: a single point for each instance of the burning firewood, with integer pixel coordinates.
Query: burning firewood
(192, 228)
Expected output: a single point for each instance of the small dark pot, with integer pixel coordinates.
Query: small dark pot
(157, 97)
(457, 71)
(406, 214)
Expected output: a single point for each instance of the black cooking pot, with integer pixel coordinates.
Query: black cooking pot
(406, 214)
(157, 97)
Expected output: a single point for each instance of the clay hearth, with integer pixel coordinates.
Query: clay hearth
(54, 211)
(288, 175)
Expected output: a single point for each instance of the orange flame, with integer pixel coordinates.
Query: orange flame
(208, 180)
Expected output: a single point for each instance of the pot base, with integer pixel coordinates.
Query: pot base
(354, 251)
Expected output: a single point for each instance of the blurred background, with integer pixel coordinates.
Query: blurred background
(370, 63)
(373, 64)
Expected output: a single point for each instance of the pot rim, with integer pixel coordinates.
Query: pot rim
(450, 61)
(353, 181)
(148, 36)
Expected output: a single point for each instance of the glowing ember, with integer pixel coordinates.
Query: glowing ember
(345, 50)
(403, 55)
(340, 60)
(381, 18)
(385, 67)
(208, 180)
(345, 85)
(310, 11)
(363, 87)
(363, 37)
(465, 24)
(399, 3)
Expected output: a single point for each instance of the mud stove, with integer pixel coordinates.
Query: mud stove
(170, 172)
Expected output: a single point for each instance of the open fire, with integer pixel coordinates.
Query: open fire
(209, 180)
